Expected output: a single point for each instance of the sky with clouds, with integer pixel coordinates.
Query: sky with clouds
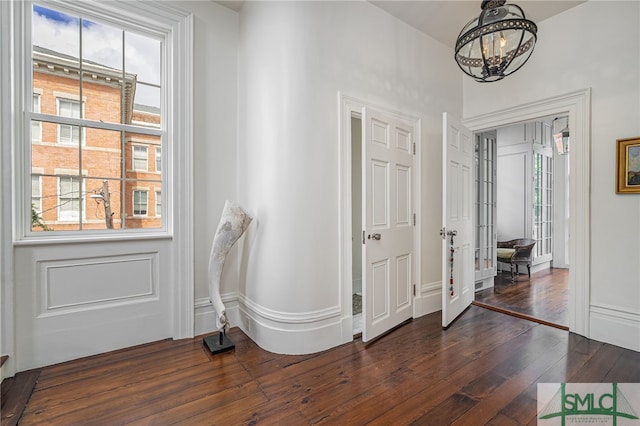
(102, 44)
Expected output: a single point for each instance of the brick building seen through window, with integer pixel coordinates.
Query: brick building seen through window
(73, 166)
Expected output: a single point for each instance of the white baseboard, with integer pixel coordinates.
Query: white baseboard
(297, 334)
(429, 299)
(539, 267)
(293, 333)
(615, 325)
(205, 316)
(484, 284)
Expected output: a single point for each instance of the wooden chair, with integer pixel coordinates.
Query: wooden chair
(516, 252)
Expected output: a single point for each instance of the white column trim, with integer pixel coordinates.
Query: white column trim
(7, 133)
(183, 232)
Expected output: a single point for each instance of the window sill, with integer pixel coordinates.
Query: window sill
(107, 236)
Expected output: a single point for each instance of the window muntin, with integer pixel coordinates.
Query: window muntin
(96, 105)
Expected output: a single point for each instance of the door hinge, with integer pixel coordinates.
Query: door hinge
(414, 219)
(414, 148)
(414, 290)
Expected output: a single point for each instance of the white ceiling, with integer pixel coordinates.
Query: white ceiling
(443, 19)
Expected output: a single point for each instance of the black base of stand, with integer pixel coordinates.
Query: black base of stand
(217, 343)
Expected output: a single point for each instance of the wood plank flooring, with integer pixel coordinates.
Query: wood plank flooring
(482, 370)
(15, 394)
(545, 297)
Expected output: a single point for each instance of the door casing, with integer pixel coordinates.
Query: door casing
(577, 106)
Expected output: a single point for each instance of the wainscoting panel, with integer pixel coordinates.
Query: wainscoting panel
(73, 284)
(80, 299)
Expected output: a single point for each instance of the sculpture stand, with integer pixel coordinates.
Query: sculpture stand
(218, 343)
(234, 221)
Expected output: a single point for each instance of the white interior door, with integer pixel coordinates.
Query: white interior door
(457, 219)
(388, 169)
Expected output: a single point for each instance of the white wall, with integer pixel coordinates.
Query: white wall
(294, 59)
(513, 171)
(573, 54)
(215, 138)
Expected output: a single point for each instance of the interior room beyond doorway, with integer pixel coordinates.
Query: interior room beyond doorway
(522, 192)
(543, 299)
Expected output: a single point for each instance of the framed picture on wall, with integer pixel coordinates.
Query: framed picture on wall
(628, 166)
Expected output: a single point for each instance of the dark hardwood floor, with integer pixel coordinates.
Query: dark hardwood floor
(482, 370)
(545, 297)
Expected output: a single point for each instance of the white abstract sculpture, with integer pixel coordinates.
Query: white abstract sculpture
(234, 221)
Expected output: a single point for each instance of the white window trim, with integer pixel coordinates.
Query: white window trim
(155, 19)
(158, 211)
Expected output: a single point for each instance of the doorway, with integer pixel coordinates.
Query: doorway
(380, 244)
(576, 106)
(522, 173)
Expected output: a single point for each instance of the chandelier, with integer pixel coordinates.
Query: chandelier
(496, 43)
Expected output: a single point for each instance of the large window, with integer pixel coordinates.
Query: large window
(485, 192)
(95, 111)
(543, 203)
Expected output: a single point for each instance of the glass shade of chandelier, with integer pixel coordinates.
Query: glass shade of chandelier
(496, 43)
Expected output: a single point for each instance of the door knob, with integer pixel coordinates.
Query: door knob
(376, 236)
